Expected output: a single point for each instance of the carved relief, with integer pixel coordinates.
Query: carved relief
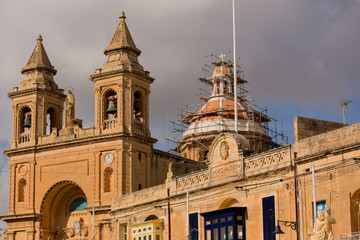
(23, 170)
(265, 161)
(224, 150)
(193, 180)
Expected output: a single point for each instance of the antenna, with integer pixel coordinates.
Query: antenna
(345, 104)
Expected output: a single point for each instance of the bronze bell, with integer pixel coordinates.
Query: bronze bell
(27, 122)
(111, 107)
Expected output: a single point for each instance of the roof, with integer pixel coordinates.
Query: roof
(39, 59)
(122, 38)
(221, 107)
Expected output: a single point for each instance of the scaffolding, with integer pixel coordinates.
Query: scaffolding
(189, 114)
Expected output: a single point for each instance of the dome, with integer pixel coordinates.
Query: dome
(221, 71)
(221, 107)
(218, 115)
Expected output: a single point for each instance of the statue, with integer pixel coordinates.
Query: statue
(323, 226)
(69, 109)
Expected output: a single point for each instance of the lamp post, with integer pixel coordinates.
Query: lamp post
(278, 230)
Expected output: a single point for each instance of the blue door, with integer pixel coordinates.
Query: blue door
(225, 224)
(268, 209)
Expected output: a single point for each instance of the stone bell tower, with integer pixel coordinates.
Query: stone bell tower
(37, 102)
(122, 88)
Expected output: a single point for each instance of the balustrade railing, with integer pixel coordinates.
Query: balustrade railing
(138, 127)
(110, 123)
(25, 137)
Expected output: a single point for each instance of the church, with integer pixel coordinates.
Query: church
(109, 182)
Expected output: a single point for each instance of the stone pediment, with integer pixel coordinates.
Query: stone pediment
(227, 148)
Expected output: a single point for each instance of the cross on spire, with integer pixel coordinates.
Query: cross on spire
(222, 56)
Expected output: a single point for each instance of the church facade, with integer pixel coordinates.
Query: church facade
(108, 182)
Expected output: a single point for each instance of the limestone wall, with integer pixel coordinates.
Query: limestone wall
(330, 141)
(308, 127)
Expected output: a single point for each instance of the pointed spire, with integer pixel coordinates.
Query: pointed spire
(39, 59)
(39, 72)
(122, 38)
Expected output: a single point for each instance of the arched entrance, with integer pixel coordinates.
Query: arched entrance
(62, 212)
(355, 211)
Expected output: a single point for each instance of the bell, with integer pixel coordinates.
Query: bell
(111, 108)
(277, 230)
(27, 122)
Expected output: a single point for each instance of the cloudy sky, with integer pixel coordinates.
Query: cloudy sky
(301, 58)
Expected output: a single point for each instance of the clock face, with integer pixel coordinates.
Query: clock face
(109, 158)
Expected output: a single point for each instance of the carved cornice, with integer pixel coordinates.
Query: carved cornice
(74, 142)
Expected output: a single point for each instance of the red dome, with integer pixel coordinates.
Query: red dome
(223, 106)
(221, 70)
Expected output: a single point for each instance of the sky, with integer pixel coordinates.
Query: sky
(301, 58)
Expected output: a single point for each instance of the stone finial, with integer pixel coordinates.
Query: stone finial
(39, 38)
(122, 15)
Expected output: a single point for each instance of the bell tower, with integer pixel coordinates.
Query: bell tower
(122, 88)
(37, 103)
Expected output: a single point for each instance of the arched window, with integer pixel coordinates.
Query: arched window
(21, 190)
(25, 119)
(138, 107)
(78, 204)
(139, 186)
(110, 104)
(108, 180)
(50, 120)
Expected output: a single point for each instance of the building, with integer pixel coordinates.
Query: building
(108, 182)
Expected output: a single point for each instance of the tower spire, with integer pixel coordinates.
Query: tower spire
(122, 53)
(122, 38)
(39, 70)
(39, 59)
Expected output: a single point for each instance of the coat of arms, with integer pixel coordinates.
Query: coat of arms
(224, 150)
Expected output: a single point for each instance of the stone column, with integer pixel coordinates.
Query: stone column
(32, 186)
(30, 234)
(97, 178)
(98, 231)
(12, 189)
(10, 235)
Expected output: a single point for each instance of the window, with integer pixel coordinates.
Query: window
(21, 190)
(50, 120)
(25, 119)
(225, 224)
(110, 104)
(78, 204)
(108, 179)
(138, 108)
(123, 232)
(320, 205)
(193, 224)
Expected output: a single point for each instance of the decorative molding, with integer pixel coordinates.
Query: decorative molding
(192, 180)
(266, 161)
(221, 170)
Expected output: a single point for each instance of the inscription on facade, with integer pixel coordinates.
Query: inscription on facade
(225, 169)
